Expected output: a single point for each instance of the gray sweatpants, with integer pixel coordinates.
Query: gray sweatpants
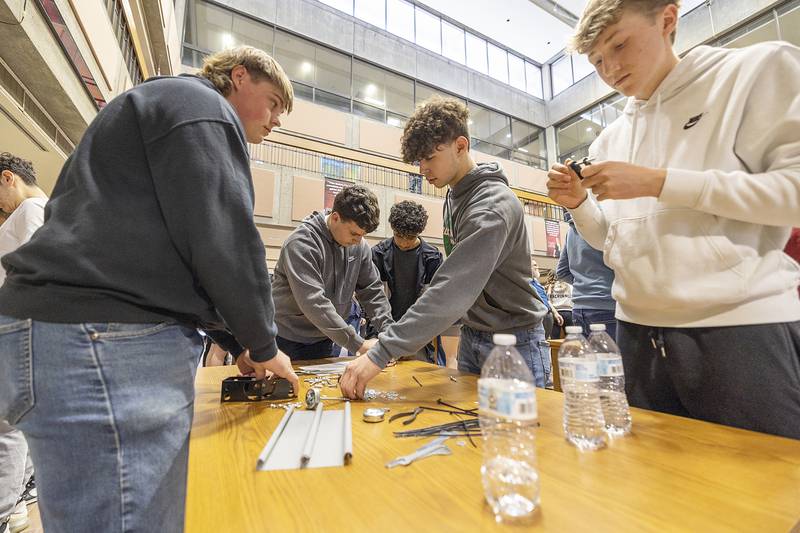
(742, 376)
(16, 468)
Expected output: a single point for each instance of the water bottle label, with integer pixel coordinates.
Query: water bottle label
(609, 366)
(496, 397)
(577, 370)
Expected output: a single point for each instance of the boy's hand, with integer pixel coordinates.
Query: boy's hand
(615, 180)
(564, 186)
(356, 376)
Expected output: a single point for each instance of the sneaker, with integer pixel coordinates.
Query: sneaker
(19, 518)
(29, 495)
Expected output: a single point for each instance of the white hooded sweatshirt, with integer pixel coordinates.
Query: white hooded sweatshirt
(708, 251)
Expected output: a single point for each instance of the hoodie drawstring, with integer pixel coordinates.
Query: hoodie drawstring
(657, 340)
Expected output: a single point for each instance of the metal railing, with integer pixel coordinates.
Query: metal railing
(331, 166)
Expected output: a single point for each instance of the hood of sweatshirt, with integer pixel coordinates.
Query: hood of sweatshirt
(481, 173)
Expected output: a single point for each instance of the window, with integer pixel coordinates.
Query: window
(516, 72)
(533, 80)
(429, 30)
(489, 126)
(453, 42)
(561, 72)
(369, 84)
(424, 92)
(296, 56)
(528, 144)
(756, 32)
(399, 94)
(581, 66)
(790, 25)
(476, 53)
(369, 111)
(342, 103)
(498, 63)
(341, 5)
(213, 28)
(333, 71)
(579, 132)
(372, 11)
(400, 19)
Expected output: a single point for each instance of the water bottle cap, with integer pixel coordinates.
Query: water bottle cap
(574, 329)
(504, 339)
(597, 327)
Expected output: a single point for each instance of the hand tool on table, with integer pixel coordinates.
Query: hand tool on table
(435, 447)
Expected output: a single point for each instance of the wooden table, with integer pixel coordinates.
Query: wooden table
(671, 474)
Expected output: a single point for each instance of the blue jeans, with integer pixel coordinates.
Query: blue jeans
(106, 409)
(585, 317)
(474, 348)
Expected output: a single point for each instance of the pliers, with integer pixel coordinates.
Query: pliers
(411, 414)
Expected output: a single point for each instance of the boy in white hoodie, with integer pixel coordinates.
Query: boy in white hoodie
(694, 191)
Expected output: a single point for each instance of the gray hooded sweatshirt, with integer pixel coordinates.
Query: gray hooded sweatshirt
(485, 279)
(314, 282)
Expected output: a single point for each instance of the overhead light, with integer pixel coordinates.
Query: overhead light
(305, 67)
(469, 122)
(522, 150)
(370, 89)
(227, 41)
(393, 121)
(590, 129)
(508, 135)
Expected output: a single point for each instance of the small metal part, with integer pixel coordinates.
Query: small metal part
(453, 379)
(374, 414)
(415, 379)
(314, 397)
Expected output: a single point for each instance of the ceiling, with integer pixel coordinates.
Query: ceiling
(520, 25)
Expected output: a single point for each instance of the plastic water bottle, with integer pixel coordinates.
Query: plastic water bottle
(508, 418)
(583, 415)
(616, 412)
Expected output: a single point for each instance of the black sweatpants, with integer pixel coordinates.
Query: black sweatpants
(742, 376)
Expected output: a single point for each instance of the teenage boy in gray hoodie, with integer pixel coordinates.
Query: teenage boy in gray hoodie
(322, 263)
(484, 280)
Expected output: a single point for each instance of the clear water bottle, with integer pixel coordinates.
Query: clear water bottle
(508, 418)
(583, 415)
(616, 412)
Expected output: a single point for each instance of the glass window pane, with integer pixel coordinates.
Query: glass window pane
(398, 121)
(533, 80)
(790, 26)
(579, 132)
(399, 94)
(516, 72)
(581, 66)
(214, 26)
(400, 19)
(372, 11)
(333, 71)
(296, 56)
(301, 90)
(759, 34)
(490, 126)
(561, 72)
(335, 101)
(366, 110)
(498, 63)
(424, 92)
(341, 5)
(453, 42)
(368, 84)
(248, 31)
(476, 53)
(429, 30)
(528, 139)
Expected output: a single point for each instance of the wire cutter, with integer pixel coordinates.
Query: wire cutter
(412, 415)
